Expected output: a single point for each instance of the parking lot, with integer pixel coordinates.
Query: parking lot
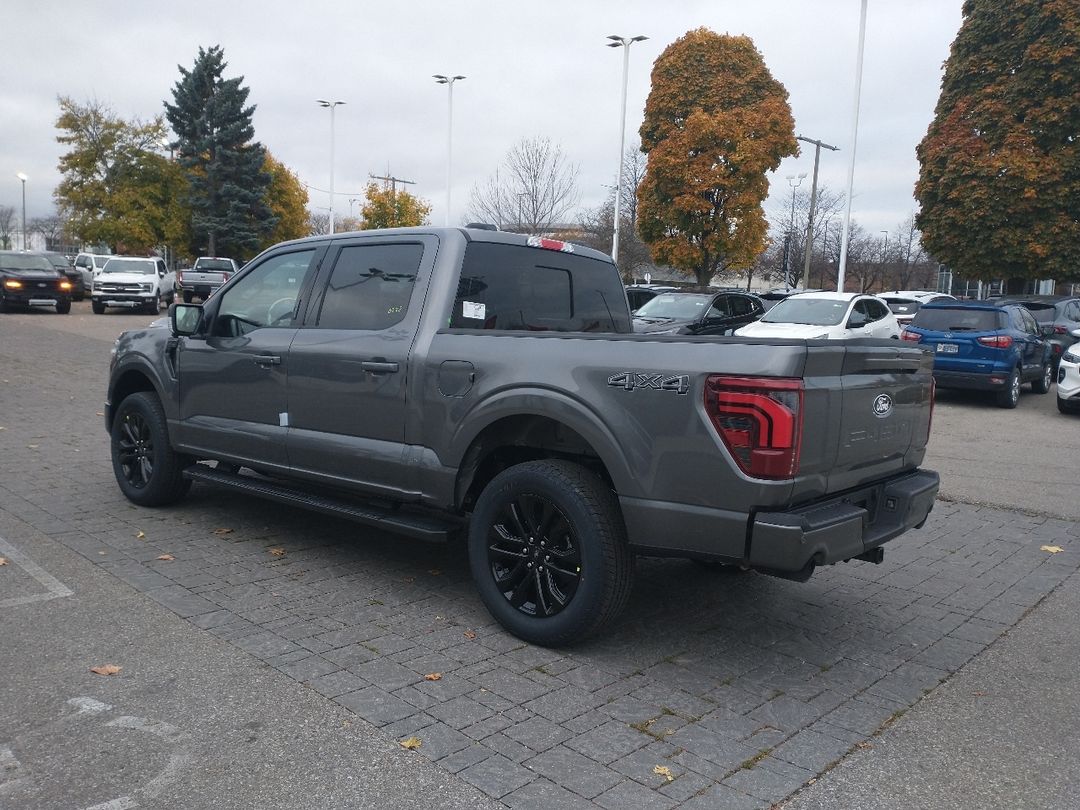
(714, 690)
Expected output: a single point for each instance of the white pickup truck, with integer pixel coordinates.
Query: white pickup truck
(205, 276)
(132, 282)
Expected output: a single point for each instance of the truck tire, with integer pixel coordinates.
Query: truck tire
(97, 307)
(63, 307)
(1009, 396)
(187, 296)
(548, 552)
(147, 469)
(1046, 378)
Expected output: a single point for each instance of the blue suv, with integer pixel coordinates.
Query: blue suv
(981, 345)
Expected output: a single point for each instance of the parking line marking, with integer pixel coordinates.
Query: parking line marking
(55, 589)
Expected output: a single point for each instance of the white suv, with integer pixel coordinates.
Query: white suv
(130, 282)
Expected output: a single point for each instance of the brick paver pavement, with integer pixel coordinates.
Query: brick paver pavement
(741, 686)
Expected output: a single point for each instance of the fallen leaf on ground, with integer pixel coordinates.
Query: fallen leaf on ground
(277, 552)
(980, 694)
(100, 413)
(166, 557)
(140, 535)
(431, 676)
(411, 743)
(106, 669)
(408, 579)
(664, 771)
(32, 446)
(4, 428)
(1052, 549)
(863, 744)
(3, 561)
(469, 634)
(435, 572)
(223, 531)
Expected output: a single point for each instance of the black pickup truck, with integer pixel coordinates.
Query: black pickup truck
(430, 381)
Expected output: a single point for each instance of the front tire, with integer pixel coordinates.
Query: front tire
(1009, 397)
(97, 307)
(1042, 385)
(63, 307)
(548, 552)
(147, 469)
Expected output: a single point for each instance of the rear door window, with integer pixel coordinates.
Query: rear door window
(370, 286)
(959, 319)
(512, 287)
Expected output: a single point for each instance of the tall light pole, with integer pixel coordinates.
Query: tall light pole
(331, 105)
(813, 200)
(791, 226)
(884, 254)
(624, 43)
(854, 141)
(449, 82)
(22, 176)
(824, 248)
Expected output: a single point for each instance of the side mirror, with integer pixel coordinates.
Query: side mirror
(185, 319)
(1075, 333)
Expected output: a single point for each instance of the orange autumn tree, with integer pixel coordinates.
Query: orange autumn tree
(999, 182)
(716, 122)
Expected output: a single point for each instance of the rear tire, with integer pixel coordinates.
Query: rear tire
(148, 470)
(1009, 397)
(187, 296)
(97, 307)
(558, 516)
(1064, 406)
(1042, 385)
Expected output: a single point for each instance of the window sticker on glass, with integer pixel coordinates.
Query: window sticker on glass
(473, 310)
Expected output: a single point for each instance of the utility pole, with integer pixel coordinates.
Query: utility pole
(393, 181)
(813, 199)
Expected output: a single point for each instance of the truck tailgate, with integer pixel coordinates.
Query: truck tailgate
(868, 418)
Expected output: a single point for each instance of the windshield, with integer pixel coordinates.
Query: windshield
(19, 261)
(129, 266)
(682, 307)
(811, 311)
(213, 264)
(59, 262)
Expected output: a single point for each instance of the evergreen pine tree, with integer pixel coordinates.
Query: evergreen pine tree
(228, 183)
(999, 184)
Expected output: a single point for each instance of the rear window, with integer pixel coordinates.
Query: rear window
(959, 319)
(213, 264)
(903, 306)
(513, 287)
(1044, 313)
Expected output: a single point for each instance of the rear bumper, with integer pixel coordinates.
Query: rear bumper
(981, 381)
(843, 527)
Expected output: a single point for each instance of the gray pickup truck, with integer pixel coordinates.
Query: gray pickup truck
(435, 382)
(204, 277)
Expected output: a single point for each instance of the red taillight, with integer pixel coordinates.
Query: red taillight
(225, 276)
(179, 276)
(1060, 330)
(760, 421)
(914, 337)
(550, 244)
(996, 341)
(933, 396)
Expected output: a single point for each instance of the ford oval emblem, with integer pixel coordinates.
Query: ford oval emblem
(882, 405)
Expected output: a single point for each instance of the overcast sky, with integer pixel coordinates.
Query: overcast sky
(532, 70)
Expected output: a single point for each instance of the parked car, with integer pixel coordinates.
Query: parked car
(984, 346)
(825, 316)
(905, 303)
(132, 282)
(771, 297)
(638, 295)
(30, 280)
(204, 277)
(697, 313)
(1068, 376)
(90, 264)
(62, 264)
(1057, 316)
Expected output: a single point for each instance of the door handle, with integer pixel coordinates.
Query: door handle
(267, 360)
(379, 367)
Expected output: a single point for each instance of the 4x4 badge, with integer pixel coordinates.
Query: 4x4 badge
(882, 405)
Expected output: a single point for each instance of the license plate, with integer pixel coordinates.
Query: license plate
(947, 348)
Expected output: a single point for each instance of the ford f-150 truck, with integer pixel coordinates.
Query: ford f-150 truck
(434, 381)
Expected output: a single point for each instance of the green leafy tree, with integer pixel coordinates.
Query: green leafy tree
(716, 122)
(387, 208)
(116, 188)
(226, 171)
(288, 199)
(999, 186)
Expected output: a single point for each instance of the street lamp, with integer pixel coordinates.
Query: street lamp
(624, 43)
(331, 105)
(22, 176)
(797, 178)
(449, 82)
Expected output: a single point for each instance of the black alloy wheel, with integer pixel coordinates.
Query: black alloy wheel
(548, 552)
(148, 471)
(534, 557)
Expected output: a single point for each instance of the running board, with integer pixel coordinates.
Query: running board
(417, 526)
